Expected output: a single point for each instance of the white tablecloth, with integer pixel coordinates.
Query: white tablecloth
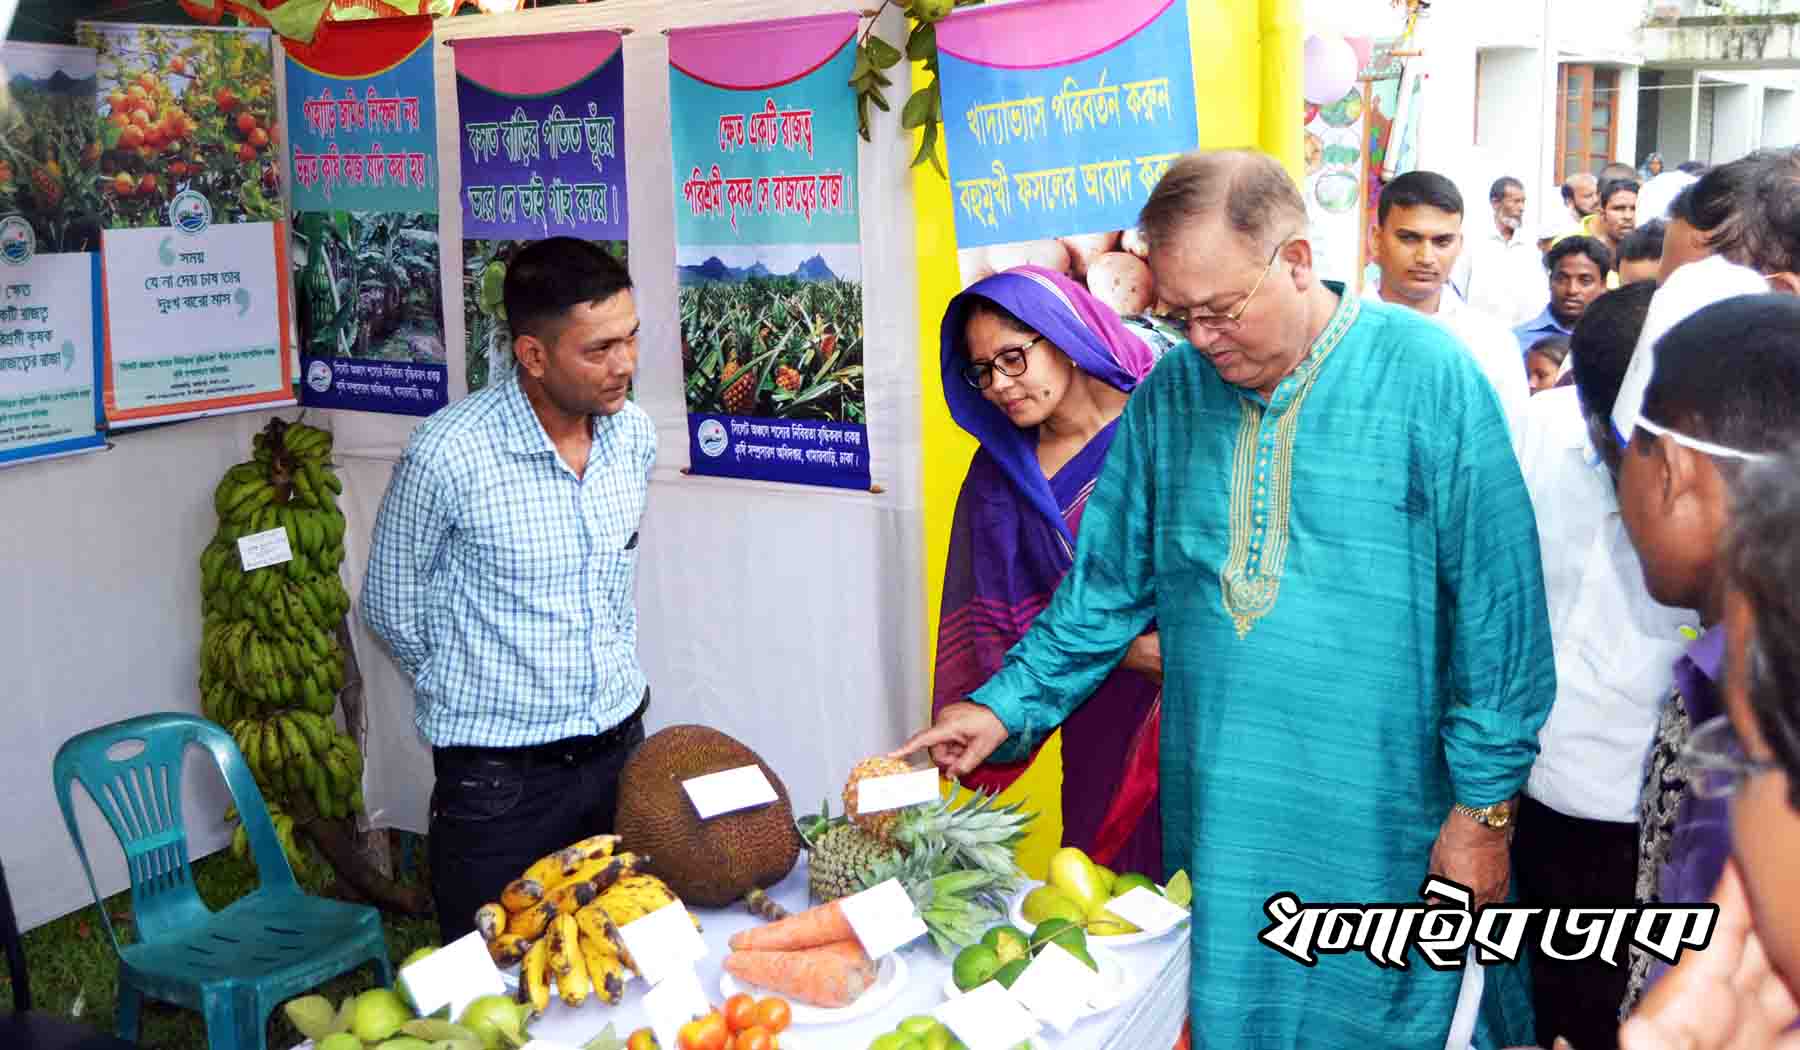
(1150, 1019)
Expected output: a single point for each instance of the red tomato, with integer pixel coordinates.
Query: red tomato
(132, 137)
(178, 64)
(123, 184)
(116, 99)
(704, 1033)
(136, 91)
(246, 153)
(177, 170)
(738, 1012)
(642, 1039)
(754, 1038)
(259, 138)
(140, 117)
(246, 123)
(147, 79)
(119, 120)
(225, 99)
(774, 1014)
(155, 139)
(147, 184)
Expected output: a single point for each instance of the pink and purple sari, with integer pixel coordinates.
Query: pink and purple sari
(1011, 543)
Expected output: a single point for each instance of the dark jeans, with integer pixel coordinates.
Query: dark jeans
(1561, 861)
(496, 810)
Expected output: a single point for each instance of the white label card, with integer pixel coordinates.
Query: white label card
(1148, 910)
(663, 943)
(987, 1017)
(883, 918)
(674, 1002)
(455, 976)
(1056, 987)
(729, 790)
(264, 548)
(897, 791)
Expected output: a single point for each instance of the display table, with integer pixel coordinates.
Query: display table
(1150, 1017)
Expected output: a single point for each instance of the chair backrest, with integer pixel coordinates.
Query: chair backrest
(139, 794)
(15, 949)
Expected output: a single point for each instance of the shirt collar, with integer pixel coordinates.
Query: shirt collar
(1546, 321)
(1706, 654)
(525, 432)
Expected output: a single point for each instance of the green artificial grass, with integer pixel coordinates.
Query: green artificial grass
(74, 970)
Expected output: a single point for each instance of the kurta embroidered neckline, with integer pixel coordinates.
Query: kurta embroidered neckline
(1261, 473)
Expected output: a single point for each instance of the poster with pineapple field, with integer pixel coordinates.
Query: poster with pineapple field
(49, 254)
(768, 250)
(193, 243)
(361, 111)
(542, 140)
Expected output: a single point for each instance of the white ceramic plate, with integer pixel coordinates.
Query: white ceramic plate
(1117, 940)
(889, 979)
(1112, 972)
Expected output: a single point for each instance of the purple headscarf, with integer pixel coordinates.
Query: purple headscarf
(1065, 314)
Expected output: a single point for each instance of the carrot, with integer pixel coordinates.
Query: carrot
(830, 975)
(808, 929)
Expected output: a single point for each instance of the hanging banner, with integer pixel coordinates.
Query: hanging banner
(196, 310)
(361, 111)
(1332, 186)
(768, 250)
(49, 254)
(1060, 117)
(542, 140)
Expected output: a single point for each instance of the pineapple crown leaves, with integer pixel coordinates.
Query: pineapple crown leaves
(813, 828)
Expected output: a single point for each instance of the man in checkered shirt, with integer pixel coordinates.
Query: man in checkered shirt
(502, 577)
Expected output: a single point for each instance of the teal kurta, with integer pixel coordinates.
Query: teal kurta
(1354, 637)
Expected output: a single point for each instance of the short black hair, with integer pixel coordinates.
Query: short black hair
(1730, 374)
(1603, 342)
(1591, 247)
(1748, 210)
(1501, 185)
(1615, 186)
(1419, 188)
(1691, 167)
(1645, 242)
(546, 278)
(1555, 347)
(1762, 563)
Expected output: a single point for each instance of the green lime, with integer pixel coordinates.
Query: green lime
(1008, 942)
(1127, 883)
(974, 965)
(1058, 931)
(1048, 902)
(1180, 890)
(1009, 973)
(940, 1038)
(919, 1025)
(894, 1041)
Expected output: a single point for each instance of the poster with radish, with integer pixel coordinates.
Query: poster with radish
(195, 306)
(1059, 120)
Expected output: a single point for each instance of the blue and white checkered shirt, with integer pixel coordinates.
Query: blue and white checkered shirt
(504, 584)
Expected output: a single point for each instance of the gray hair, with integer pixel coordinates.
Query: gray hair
(1253, 192)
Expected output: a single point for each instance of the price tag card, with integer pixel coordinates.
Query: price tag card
(729, 791)
(987, 1017)
(1147, 910)
(883, 918)
(455, 976)
(678, 999)
(1056, 987)
(663, 943)
(897, 791)
(264, 548)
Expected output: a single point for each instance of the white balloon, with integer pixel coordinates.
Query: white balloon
(1329, 67)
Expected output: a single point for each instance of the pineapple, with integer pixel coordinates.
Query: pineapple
(787, 379)
(842, 857)
(880, 825)
(740, 394)
(979, 835)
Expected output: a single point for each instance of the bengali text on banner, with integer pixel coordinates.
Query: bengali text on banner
(768, 250)
(361, 115)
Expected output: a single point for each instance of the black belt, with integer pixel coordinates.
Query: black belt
(570, 751)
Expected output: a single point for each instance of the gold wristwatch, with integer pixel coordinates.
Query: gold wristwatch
(1497, 816)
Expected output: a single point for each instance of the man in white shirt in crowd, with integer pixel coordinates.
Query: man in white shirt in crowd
(1577, 839)
(1415, 241)
(1501, 270)
(1581, 196)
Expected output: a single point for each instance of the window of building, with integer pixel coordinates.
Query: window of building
(1587, 100)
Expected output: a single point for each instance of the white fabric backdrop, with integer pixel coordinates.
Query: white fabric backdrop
(789, 617)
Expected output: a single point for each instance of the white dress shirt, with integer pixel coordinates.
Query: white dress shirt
(1614, 643)
(1503, 278)
(1494, 349)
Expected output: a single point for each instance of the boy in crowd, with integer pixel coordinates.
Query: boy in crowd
(1577, 839)
(1544, 362)
(1640, 253)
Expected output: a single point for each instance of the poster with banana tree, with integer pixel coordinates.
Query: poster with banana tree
(364, 245)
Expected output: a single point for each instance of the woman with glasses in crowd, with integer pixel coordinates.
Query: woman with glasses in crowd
(1038, 370)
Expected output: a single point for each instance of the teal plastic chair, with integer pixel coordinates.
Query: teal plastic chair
(234, 965)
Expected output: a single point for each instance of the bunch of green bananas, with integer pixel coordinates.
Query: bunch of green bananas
(270, 663)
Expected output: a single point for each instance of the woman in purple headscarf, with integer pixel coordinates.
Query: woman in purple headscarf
(1038, 370)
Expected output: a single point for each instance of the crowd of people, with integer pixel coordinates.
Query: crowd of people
(1491, 572)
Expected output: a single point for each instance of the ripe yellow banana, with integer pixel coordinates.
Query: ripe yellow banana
(509, 949)
(490, 919)
(555, 867)
(571, 896)
(635, 896)
(567, 961)
(533, 921)
(606, 971)
(534, 974)
(520, 894)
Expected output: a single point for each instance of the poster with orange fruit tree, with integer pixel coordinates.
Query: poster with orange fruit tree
(195, 310)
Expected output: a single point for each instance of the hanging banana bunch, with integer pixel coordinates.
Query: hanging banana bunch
(270, 663)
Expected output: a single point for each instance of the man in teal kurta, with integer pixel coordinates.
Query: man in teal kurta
(1317, 503)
